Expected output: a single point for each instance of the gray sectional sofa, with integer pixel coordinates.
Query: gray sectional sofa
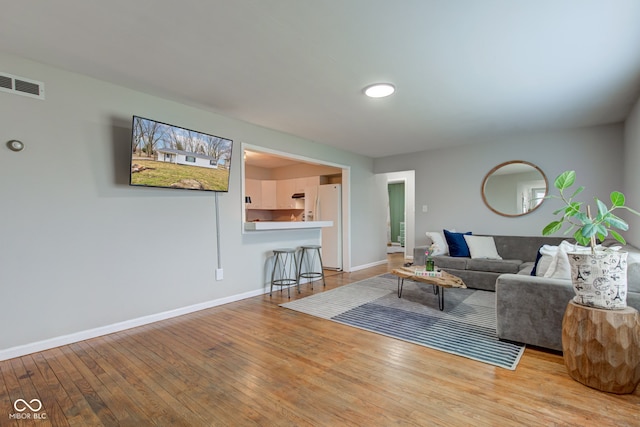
(517, 252)
(529, 309)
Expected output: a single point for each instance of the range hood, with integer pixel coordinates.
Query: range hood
(298, 196)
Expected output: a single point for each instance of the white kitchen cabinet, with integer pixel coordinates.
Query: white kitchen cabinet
(284, 191)
(269, 194)
(253, 189)
(276, 194)
(308, 181)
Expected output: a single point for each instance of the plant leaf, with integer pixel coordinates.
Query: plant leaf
(551, 228)
(588, 230)
(618, 237)
(573, 209)
(584, 241)
(583, 217)
(617, 198)
(578, 191)
(565, 180)
(602, 208)
(615, 222)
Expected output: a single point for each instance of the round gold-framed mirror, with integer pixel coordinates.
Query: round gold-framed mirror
(514, 188)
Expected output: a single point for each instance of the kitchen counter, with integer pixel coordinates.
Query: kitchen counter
(285, 225)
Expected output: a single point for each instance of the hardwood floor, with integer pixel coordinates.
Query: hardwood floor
(254, 363)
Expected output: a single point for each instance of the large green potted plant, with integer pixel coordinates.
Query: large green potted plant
(599, 276)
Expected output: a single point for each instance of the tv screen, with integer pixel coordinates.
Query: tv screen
(169, 156)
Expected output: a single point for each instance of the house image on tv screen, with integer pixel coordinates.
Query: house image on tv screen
(163, 155)
(180, 157)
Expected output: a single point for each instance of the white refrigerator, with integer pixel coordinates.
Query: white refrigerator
(324, 203)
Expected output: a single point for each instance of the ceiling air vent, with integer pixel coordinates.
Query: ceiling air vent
(21, 86)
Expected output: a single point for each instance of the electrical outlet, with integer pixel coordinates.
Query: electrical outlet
(219, 274)
(424, 208)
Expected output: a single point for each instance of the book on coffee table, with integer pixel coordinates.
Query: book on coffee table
(425, 273)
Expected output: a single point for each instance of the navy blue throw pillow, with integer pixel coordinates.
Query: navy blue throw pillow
(457, 245)
(534, 271)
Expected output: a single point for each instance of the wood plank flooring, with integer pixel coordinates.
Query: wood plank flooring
(254, 363)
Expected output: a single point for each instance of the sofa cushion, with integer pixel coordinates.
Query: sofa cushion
(494, 265)
(560, 268)
(543, 265)
(545, 257)
(534, 270)
(633, 254)
(633, 277)
(526, 268)
(523, 247)
(445, 261)
(482, 247)
(457, 245)
(438, 239)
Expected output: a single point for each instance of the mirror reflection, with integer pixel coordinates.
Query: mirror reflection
(514, 188)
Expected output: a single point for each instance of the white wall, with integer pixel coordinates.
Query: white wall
(630, 162)
(80, 249)
(448, 180)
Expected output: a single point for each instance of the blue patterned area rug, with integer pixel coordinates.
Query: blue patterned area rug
(466, 327)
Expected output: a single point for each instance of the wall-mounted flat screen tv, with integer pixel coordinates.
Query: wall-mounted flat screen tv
(168, 156)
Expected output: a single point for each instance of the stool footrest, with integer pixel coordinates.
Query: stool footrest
(310, 275)
(284, 282)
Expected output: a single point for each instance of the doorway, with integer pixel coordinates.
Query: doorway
(396, 223)
(400, 232)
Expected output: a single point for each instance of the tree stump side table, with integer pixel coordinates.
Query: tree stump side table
(602, 347)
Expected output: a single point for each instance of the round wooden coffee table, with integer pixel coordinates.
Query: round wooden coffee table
(602, 347)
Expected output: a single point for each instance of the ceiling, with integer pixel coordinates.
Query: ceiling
(466, 71)
(268, 161)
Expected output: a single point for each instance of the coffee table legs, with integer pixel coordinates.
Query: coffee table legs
(400, 284)
(437, 290)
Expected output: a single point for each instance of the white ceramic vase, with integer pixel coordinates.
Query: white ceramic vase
(599, 279)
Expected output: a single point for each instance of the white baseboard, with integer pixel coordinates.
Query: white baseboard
(372, 264)
(47, 344)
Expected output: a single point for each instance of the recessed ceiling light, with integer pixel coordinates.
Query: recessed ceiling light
(379, 90)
